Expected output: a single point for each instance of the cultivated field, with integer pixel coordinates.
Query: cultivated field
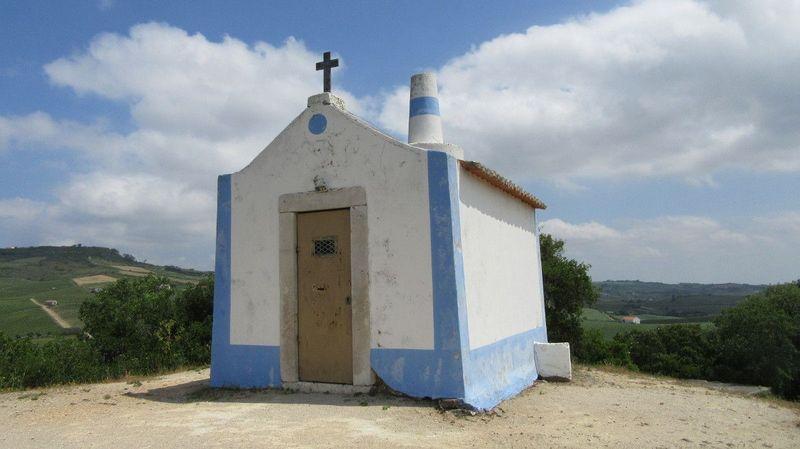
(610, 325)
(599, 409)
(132, 269)
(96, 279)
(67, 275)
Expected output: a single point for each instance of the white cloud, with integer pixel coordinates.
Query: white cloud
(582, 231)
(786, 225)
(105, 5)
(21, 209)
(686, 248)
(653, 89)
(656, 88)
(200, 108)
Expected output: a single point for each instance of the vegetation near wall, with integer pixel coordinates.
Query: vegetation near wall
(756, 341)
(567, 290)
(759, 340)
(145, 325)
(135, 326)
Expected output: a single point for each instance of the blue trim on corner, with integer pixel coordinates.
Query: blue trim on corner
(243, 366)
(449, 303)
(437, 373)
(423, 105)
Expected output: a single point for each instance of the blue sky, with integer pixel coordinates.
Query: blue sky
(662, 135)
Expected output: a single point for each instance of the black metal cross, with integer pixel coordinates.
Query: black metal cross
(326, 65)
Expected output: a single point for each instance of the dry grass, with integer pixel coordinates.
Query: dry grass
(129, 270)
(96, 279)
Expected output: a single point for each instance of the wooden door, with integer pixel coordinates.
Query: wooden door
(324, 318)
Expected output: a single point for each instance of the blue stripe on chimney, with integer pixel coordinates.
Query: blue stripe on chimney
(424, 105)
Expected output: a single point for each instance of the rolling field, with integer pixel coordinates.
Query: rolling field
(67, 275)
(19, 316)
(610, 326)
(658, 304)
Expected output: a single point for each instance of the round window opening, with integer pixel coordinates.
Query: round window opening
(317, 124)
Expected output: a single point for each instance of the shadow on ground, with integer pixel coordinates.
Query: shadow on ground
(201, 391)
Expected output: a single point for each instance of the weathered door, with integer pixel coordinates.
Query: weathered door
(324, 319)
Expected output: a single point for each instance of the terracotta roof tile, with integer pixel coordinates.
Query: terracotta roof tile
(497, 180)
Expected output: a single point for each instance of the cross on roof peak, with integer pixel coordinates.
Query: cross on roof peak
(326, 65)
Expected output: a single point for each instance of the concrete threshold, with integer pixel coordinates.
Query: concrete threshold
(318, 387)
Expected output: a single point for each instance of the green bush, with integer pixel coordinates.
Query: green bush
(26, 364)
(681, 350)
(144, 326)
(756, 342)
(139, 326)
(567, 290)
(595, 348)
(759, 341)
(194, 309)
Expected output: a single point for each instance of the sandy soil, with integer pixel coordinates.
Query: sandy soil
(96, 279)
(598, 409)
(52, 314)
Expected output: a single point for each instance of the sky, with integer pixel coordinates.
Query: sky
(664, 136)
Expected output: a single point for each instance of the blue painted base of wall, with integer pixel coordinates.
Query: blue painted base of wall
(502, 369)
(420, 373)
(246, 366)
(488, 376)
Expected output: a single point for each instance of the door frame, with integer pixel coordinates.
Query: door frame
(290, 204)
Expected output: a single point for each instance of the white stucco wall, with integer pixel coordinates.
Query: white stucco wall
(501, 263)
(347, 154)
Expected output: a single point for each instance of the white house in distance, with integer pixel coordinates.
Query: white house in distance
(345, 256)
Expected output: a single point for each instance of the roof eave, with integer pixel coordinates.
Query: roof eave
(500, 182)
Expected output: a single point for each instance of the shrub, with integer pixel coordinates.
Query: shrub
(143, 325)
(756, 342)
(680, 350)
(135, 325)
(195, 310)
(567, 290)
(26, 364)
(595, 348)
(133, 321)
(759, 341)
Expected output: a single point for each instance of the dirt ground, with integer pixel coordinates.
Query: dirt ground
(52, 314)
(598, 409)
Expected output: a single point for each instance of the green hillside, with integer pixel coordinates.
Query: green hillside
(67, 275)
(610, 324)
(658, 304)
(696, 301)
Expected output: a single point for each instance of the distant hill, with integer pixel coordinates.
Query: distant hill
(688, 300)
(67, 275)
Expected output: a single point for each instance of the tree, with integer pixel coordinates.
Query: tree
(759, 340)
(567, 290)
(679, 350)
(133, 319)
(146, 325)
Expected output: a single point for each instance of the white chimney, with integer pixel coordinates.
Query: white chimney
(424, 120)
